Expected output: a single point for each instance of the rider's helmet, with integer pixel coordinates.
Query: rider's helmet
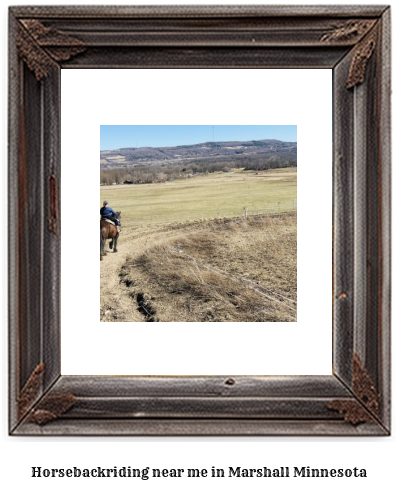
(105, 202)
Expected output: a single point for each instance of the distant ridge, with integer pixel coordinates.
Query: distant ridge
(130, 156)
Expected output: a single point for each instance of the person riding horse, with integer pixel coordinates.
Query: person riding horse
(106, 212)
(110, 227)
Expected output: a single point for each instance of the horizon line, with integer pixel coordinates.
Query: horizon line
(199, 143)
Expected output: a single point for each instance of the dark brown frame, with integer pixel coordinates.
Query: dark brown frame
(354, 41)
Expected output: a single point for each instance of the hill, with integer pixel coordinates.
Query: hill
(131, 156)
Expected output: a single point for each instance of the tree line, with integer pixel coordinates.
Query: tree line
(168, 171)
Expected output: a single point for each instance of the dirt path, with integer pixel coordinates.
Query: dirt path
(116, 300)
(116, 303)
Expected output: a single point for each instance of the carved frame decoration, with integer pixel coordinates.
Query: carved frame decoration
(353, 41)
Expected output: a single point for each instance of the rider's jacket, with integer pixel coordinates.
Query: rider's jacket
(107, 212)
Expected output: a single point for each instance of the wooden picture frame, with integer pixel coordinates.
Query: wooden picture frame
(353, 41)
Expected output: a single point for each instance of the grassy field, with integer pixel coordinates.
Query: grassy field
(203, 197)
(221, 270)
(187, 253)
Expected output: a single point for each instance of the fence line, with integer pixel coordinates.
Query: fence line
(219, 213)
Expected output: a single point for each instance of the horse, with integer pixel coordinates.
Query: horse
(108, 231)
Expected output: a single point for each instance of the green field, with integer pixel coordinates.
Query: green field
(203, 197)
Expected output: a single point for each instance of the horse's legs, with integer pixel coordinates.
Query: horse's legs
(111, 244)
(116, 241)
(102, 243)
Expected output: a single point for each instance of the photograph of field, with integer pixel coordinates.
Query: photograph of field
(208, 232)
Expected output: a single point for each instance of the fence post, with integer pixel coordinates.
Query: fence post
(245, 213)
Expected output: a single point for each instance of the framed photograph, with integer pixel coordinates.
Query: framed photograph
(58, 58)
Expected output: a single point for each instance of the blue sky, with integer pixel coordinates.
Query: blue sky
(119, 136)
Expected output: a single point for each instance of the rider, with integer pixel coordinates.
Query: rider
(107, 213)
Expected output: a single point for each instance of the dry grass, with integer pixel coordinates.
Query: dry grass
(220, 270)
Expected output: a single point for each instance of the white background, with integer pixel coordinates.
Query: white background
(257, 97)
(378, 455)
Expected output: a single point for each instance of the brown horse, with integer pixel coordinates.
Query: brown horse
(108, 231)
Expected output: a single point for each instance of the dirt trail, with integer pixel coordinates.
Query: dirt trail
(117, 301)
(116, 304)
